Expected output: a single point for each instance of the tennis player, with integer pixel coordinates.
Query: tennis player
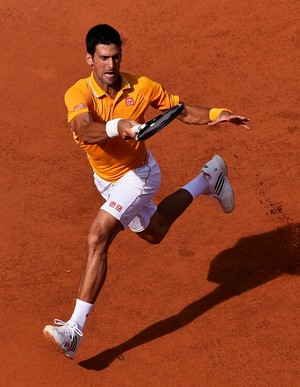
(102, 109)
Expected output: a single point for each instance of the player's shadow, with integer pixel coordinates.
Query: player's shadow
(252, 262)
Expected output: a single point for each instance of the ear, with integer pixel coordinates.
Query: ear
(89, 59)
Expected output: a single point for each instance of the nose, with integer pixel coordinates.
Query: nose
(110, 63)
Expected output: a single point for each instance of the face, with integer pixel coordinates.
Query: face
(106, 65)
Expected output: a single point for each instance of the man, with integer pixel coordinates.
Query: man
(102, 110)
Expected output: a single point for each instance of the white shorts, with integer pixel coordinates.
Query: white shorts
(130, 198)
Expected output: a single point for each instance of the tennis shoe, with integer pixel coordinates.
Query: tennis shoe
(65, 337)
(220, 188)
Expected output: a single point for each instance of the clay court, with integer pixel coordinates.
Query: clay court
(217, 303)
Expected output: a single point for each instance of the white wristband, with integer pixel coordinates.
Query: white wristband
(112, 127)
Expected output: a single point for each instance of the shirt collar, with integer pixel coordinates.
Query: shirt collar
(98, 92)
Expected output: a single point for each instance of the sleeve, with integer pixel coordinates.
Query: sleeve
(77, 102)
(159, 98)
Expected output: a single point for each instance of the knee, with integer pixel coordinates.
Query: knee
(97, 239)
(153, 239)
(156, 230)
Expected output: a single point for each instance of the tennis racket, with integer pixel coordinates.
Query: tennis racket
(149, 128)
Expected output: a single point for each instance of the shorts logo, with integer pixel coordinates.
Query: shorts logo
(116, 206)
(80, 106)
(129, 101)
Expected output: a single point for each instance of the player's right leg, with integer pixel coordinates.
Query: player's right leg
(66, 336)
(124, 200)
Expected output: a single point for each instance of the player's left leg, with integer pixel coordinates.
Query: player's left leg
(213, 181)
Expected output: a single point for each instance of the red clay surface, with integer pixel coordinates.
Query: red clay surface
(217, 303)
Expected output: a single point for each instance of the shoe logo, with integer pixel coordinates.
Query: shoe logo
(219, 184)
(206, 166)
(73, 344)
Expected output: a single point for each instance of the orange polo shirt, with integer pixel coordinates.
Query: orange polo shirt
(115, 157)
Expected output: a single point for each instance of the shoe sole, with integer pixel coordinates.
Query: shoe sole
(50, 339)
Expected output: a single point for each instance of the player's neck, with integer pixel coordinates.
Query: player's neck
(113, 89)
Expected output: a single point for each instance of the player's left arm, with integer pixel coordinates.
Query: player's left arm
(200, 115)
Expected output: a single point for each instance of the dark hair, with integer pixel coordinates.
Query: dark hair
(101, 34)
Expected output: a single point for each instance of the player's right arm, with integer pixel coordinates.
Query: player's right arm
(88, 130)
(93, 132)
(82, 120)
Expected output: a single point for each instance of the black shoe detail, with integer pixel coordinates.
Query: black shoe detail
(73, 344)
(219, 184)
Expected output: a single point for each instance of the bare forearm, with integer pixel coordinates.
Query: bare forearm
(88, 130)
(92, 133)
(200, 115)
(194, 115)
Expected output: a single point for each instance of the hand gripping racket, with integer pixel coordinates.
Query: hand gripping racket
(153, 126)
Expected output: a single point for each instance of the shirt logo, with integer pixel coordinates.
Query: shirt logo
(80, 106)
(129, 101)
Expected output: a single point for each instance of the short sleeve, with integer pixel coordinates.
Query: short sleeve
(160, 98)
(77, 102)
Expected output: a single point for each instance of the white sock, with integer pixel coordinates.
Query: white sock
(199, 185)
(81, 312)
